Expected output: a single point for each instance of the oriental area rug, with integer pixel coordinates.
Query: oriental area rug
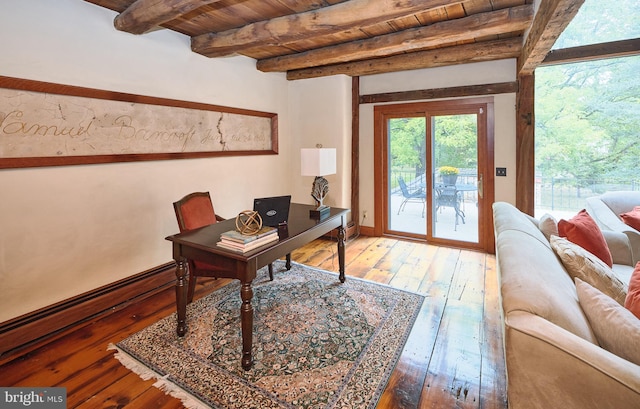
(317, 343)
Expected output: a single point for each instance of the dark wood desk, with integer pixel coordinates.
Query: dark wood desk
(200, 244)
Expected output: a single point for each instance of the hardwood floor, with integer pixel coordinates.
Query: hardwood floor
(453, 358)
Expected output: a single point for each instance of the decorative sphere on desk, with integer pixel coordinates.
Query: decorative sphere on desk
(248, 222)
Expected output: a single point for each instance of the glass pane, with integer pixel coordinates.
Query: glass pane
(455, 177)
(407, 157)
(586, 137)
(600, 21)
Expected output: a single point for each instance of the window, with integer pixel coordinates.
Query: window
(588, 115)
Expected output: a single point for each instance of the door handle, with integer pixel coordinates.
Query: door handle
(480, 186)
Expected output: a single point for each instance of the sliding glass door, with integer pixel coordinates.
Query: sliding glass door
(407, 164)
(454, 166)
(434, 157)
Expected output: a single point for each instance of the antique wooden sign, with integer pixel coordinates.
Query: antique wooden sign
(45, 124)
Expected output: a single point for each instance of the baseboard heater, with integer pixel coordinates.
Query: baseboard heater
(21, 332)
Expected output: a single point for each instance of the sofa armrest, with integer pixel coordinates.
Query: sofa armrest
(619, 247)
(602, 214)
(608, 220)
(549, 367)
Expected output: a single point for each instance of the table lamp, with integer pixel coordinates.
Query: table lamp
(319, 162)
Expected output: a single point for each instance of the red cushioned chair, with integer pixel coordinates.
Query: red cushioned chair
(193, 211)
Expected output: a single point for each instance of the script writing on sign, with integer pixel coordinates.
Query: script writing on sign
(48, 125)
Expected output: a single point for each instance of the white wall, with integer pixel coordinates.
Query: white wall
(452, 76)
(321, 114)
(67, 230)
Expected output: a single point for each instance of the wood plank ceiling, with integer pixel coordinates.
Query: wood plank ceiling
(314, 38)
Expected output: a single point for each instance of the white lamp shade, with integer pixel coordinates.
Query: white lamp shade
(318, 161)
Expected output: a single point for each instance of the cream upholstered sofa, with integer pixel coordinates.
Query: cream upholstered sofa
(606, 209)
(552, 355)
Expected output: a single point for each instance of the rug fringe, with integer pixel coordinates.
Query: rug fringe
(170, 388)
(162, 383)
(132, 364)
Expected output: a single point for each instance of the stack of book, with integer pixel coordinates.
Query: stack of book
(235, 241)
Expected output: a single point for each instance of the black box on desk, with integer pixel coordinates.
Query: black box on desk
(320, 213)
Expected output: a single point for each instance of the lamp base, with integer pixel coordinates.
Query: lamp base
(320, 212)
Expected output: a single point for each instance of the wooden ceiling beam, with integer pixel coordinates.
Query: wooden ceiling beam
(461, 54)
(143, 15)
(436, 93)
(613, 49)
(550, 20)
(327, 20)
(448, 32)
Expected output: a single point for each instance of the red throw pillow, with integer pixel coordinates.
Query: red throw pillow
(583, 231)
(632, 302)
(632, 218)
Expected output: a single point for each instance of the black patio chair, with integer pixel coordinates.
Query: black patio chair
(418, 195)
(449, 196)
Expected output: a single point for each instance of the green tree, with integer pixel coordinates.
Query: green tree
(601, 21)
(588, 114)
(407, 143)
(455, 141)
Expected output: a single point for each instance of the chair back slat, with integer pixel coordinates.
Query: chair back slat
(403, 186)
(194, 210)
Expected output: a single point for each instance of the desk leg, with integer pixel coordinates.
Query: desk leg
(181, 296)
(341, 238)
(246, 316)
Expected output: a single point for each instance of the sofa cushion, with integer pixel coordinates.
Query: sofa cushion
(632, 302)
(583, 230)
(632, 218)
(582, 264)
(623, 272)
(533, 280)
(548, 226)
(508, 217)
(615, 327)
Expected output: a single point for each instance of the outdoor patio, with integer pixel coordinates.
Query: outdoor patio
(411, 219)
